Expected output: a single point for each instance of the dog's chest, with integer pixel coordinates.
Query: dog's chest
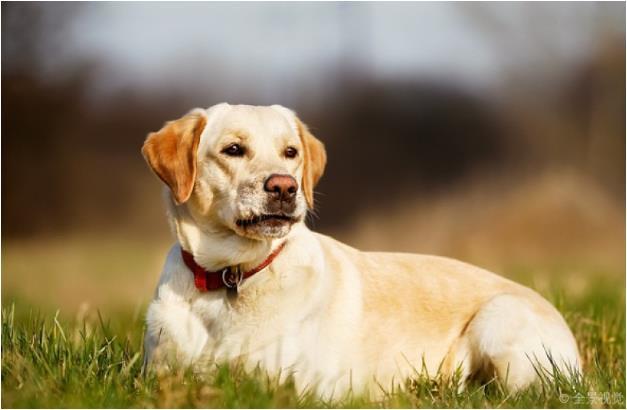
(275, 336)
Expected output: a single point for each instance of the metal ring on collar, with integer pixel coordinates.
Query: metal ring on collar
(231, 278)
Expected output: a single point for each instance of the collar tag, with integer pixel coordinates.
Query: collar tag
(232, 277)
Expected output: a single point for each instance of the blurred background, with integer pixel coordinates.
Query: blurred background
(489, 132)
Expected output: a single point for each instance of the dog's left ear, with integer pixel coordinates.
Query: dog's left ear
(171, 153)
(315, 159)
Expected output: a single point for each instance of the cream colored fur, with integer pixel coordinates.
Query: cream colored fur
(329, 315)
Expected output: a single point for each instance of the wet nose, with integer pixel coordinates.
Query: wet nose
(281, 187)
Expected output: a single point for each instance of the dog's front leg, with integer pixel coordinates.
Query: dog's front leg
(175, 335)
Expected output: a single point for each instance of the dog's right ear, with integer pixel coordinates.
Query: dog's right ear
(171, 153)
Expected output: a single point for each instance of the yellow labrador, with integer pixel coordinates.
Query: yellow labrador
(248, 280)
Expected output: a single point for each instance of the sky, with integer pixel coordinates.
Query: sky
(277, 49)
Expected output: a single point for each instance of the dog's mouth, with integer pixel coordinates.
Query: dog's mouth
(265, 219)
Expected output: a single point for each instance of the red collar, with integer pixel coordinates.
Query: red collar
(229, 277)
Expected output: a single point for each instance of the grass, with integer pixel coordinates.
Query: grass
(88, 361)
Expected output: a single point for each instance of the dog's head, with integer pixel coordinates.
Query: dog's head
(250, 170)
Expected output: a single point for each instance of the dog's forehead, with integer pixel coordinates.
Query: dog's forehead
(256, 121)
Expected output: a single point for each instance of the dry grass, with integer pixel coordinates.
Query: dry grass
(554, 219)
(79, 271)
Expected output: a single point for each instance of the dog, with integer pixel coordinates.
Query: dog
(247, 280)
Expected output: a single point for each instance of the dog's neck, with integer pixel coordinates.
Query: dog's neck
(215, 247)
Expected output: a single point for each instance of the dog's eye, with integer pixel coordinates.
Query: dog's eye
(234, 150)
(291, 152)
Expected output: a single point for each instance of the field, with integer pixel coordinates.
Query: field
(73, 306)
(94, 361)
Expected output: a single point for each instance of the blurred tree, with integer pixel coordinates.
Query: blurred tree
(69, 163)
(389, 141)
(35, 117)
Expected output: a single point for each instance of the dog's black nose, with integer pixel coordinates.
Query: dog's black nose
(281, 187)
